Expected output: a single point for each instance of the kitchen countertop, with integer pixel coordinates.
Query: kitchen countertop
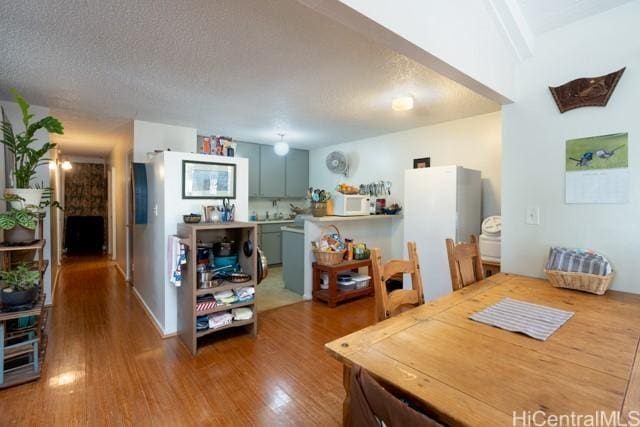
(272, 221)
(293, 228)
(351, 218)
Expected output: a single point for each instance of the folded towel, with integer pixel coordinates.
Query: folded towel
(242, 313)
(245, 293)
(218, 320)
(578, 261)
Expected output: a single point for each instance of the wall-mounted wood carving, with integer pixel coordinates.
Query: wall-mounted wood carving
(586, 92)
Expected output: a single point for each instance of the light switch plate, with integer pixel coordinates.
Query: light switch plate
(533, 215)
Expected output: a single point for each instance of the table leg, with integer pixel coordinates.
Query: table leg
(1, 352)
(346, 404)
(315, 284)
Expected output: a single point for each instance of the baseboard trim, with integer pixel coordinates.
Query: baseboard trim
(55, 282)
(151, 316)
(121, 271)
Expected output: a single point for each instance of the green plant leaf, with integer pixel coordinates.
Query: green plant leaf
(26, 219)
(7, 221)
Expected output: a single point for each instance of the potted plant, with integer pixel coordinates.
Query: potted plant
(19, 226)
(25, 155)
(21, 285)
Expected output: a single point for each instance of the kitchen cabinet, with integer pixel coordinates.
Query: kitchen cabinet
(296, 173)
(252, 152)
(271, 242)
(272, 173)
(293, 260)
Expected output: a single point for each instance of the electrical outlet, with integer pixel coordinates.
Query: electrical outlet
(155, 209)
(533, 215)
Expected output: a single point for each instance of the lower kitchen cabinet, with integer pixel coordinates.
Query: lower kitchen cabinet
(293, 261)
(272, 247)
(270, 238)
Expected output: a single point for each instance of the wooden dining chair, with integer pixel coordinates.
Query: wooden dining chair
(389, 304)
(465, 263)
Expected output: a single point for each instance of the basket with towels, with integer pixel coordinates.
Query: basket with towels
(580, 269)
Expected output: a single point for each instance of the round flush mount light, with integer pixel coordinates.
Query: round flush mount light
(281, 148)
(402, 103)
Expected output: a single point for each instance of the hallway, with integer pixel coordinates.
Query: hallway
(106, 364)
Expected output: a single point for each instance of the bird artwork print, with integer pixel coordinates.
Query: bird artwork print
(584, 160)
(605, 154)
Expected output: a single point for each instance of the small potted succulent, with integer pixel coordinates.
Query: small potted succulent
(20, 285)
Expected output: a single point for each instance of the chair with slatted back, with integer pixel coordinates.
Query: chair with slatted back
(465, 263)
(389, 304)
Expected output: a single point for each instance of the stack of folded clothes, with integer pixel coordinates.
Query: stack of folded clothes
(242, 313)
(226, 297)
(245, 294)
(202, 323)
(218, 320)
(578, 261)
(205, 302)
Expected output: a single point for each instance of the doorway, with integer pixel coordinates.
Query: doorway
(85, 214)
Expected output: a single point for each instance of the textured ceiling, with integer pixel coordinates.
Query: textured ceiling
(545, 15)
(244, 68)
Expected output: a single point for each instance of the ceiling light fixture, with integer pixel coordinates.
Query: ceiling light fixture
(281, 148)
(402, 103)
(66, 165)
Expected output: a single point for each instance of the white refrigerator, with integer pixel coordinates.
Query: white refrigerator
(439, 203)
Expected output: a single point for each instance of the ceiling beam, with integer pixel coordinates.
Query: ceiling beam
(514, 27)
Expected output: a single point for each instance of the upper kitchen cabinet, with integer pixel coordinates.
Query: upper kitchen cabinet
(272, 173)
(251, 152)
(296, 173)
(273, 176)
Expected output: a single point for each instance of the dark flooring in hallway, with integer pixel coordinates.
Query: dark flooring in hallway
(107, 365)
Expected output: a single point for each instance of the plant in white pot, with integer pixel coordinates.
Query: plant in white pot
(19, 226)
(20, 285)
(27, 156)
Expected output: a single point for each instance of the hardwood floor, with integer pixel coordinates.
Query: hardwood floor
(107, 365)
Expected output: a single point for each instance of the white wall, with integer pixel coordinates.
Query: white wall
(42, 177)
(459, 39)
(123, 143)
(534, 135)
(164, 179)
(472, 142)
(149, 137)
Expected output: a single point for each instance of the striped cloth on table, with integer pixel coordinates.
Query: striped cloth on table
(535, 320)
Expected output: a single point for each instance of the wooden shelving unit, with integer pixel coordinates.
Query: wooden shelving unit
(332, 296)
(191, 235)
(22, 350)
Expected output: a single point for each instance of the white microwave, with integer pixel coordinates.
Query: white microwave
(350, 204)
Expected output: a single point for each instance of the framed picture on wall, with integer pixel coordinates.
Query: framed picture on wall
(205, 180)
(424, 162)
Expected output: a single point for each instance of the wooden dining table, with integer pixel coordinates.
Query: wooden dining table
(463, 372)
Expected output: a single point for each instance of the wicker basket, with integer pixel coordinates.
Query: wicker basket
(580, 281)
(329, 258)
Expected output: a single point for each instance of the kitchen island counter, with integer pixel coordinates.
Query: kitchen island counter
(334, 218)
(377, 231)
